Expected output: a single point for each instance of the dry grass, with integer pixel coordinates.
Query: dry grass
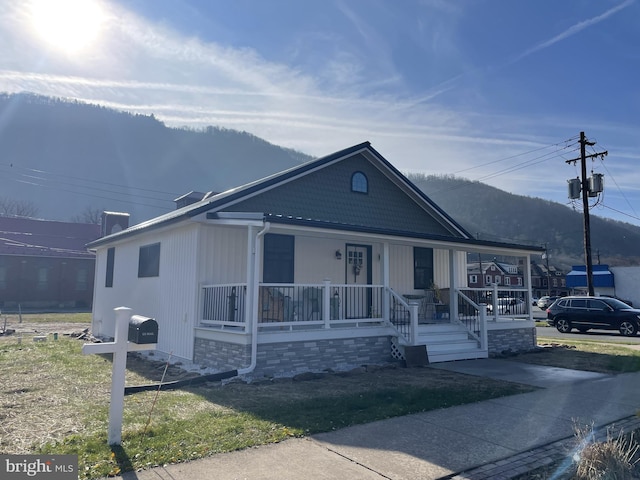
(616, 458)
(41, 398)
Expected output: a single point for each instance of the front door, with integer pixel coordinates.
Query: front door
(358, 272)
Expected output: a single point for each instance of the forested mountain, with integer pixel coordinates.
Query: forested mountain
(492, 214)
(66, 157)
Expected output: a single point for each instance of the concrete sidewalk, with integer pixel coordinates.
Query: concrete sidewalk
(495, 439)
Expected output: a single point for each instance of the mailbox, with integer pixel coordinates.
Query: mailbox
(143, 329)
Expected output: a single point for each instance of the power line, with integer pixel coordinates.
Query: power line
(15, 173)
(520, 166)
(520, 154)
(620, 191)
(619, 211)
(94, 196)
(18, 167)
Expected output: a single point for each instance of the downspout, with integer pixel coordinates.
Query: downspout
(254, 301)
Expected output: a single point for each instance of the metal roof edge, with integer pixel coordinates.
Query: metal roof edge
(224, 198)
(397, 233)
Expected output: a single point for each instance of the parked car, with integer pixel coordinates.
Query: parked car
(628, 302)
(585, 313)
(507, 305)
(546, 301)
(534, 301)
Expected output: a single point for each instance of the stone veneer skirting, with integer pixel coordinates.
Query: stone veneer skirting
(291, 358)
(511, 340)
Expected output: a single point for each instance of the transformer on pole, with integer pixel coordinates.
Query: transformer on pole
(590, 187)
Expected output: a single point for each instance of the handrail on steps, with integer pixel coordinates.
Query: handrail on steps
(403, 316)
(473, 317)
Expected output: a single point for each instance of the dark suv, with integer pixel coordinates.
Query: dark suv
(602, 313)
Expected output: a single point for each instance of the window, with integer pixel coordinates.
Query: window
(359, 183)
(473, 279)
(422, 268)
(488, 279)
(507, 280)
(108, 282)
(519, 282)
(81, 279)
(579, 303)
(498, 279)
(43, 273)
(279, 253)
(149, 261)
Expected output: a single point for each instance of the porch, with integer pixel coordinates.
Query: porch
(450, 325)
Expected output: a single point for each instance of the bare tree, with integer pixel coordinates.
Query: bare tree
(17, 208)
(89, 215)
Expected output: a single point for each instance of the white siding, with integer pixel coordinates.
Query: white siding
(401, 268)
(170, 298)
(223, 254)
(315, 260)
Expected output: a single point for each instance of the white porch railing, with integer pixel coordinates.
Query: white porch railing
(293, 306)
(224, 306)
(502, 303)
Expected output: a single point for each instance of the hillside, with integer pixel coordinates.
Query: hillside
(50, 148)
(67, 157)
(492, 214)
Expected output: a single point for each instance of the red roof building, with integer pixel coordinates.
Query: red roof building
(44, 265)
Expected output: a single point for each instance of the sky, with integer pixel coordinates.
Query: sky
(496, 91)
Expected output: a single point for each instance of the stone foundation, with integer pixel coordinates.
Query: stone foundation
(512, 340)
(291, 358)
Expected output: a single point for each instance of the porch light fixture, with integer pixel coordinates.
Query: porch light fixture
(338, 255)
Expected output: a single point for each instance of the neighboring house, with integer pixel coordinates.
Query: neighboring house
(548, 280)
(486, 273)
(44, 265)
(336, 263)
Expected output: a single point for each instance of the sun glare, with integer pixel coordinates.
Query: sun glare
(67, 25)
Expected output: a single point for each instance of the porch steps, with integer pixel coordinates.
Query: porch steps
(448, 342)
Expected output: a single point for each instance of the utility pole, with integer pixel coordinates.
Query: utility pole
(480, 259)
(584, 183)
(546, 258)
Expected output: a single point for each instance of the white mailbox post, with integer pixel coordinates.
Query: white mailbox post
(119, 347)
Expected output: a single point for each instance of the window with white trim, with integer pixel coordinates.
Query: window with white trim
(359, 183)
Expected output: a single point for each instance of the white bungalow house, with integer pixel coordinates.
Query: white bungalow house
(336, 263)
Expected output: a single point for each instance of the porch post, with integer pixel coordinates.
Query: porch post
(249, 297)
(386, 308)
(326, 303)
(527, 284)
(484, 336)
(453, 285)
(413, 312)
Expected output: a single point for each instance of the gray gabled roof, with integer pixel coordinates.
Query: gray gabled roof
(226, 200)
